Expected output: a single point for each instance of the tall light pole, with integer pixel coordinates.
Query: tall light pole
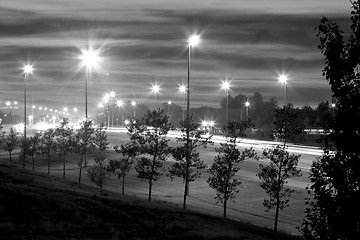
(133, 103)
(192, 42)
(89, 58)
(27, 70)
(182, 89)
(155, 89)
(283, 79)
(226, 86)
(247, 104)
(169, 103)
(120, 104)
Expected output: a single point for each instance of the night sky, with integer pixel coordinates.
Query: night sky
(145, 42)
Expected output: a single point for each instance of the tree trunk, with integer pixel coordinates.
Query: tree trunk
(10, 157)
(64, 167)
(48, 165)
(185, 192)
(123, 185)
(225, 204)
(33, 163)
(80, 171)
(277, 212)
(150, 186)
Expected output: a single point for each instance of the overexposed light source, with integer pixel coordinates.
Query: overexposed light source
(283, 78)
(169, 102)
(120, 103)
(28, 68)
(89, 58)
(247, 103)
(155, 88)
(182, 88)
(225, 85)
(194, 40)
(133, 103)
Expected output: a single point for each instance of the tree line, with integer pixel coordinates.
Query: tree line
(148, 148)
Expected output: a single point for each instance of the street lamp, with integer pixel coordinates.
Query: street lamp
(192, 42)
(283, 79)
(27, 70)
(247, 104)
(133, 103)
(89, 59)
(155, 89)
(226, 86)
(120, 104)
(182, 89)
(169, 103)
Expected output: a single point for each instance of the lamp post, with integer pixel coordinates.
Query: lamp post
(27, 70)
(247, 104)
(120, 104)
(283, 79)
(155, 89)
(133, 103)
(226, 86)
(169, 103)
(182, 89)
(192, 42)
(89, 59)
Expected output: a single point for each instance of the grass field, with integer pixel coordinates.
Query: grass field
(37, 206)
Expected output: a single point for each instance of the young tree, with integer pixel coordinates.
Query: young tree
(64, 141)
(83, 143)
(226, 164)
(122, 165)
(150, 135)
(11, 141)
(287, 125)
(333, 210)
(274, 176)
(97, 171)
(48, 146)
(23, 154)
(34, 147)
(188, 170)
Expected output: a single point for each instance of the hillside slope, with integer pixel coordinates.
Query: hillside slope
(37, 206)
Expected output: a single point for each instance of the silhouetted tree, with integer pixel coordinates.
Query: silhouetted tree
(48, 146)
(97, 171)
(64, 141)
(188, 170)
(333, 210)
(10, 142)
(150, 135)
(282, 166)
(122, 165)
(34, 147)
(83, 143)
(226, 163)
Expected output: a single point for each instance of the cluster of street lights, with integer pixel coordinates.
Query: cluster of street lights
(111, 96)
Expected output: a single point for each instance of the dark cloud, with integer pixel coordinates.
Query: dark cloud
(139, 51)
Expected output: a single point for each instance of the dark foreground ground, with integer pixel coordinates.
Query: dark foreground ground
(37, 206)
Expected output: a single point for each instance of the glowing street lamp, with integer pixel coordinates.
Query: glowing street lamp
(169, 103)
(192, 42)
(8, 103)
(155, 89)
(27, 70)
(75, 109)
(90, 59)
(120, 104)
(247, 104)
(133, 103)
(283, 79)
(226, 86)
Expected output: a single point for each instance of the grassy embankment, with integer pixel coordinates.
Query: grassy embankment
(34, 205)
